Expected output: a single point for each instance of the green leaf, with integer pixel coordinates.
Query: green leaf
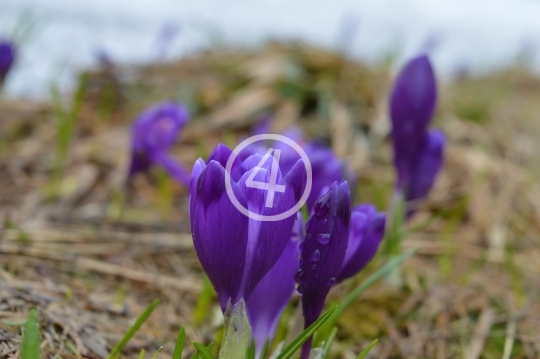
(157, 353)
(265, 349)
(141, 354)
(31, 340)
(203, 351)
(304, 336)
(134, 328)
(179, 347)
(250, 353)
(372, 279)
(328, 343)
(364, 352)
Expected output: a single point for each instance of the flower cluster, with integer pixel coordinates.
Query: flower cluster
(259, 262)
(256, 264)
(153, 133)
(7, 58)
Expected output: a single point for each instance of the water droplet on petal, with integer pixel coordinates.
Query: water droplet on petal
(322, 205)
(301, 260)
(324, 238)
(331, 282)
(298, 275)
(299, 289)
(316, 255)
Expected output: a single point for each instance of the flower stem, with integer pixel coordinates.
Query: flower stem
(236, 332)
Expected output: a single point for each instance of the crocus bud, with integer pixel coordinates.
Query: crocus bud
(428, 166)
(7, 58)
(323, 252)
(367, 231)
(412, 105)
(236, 251)
(274, 291)
(153, 133)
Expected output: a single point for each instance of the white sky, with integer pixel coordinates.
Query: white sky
(480, 34)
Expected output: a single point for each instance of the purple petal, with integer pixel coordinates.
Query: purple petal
(173, 167)
(367, 231)
(220, 232)
(326, 168)
(157, 128)
(427, 167)
(7, 58)
(324, 247)
(271, 296)
(411, 108)
(267, 239)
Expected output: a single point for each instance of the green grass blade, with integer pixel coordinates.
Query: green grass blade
(180, 341)
(265, 349)
(31, 340)
(328, 344)
(134, 328)
(372, 279)
(304, 336)
(157, 353)
(250, 352)
(141, 354)
(203, 351)
(364, 352)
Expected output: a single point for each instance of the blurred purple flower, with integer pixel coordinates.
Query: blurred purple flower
(326, 167)
(367, 231)
(274, 291)
(416, 152)
(7, 58)
(153, 133)
(323, 252)
(235, 251)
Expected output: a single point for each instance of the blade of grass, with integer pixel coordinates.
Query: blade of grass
(365, 352)
(250, 352)
(372, 279)
(157, 353)
(179, 347)
(31, 340)
(203, 351)
(328, 344)
(265, 349)
(289, 351)
(141, 354)
(134, 328)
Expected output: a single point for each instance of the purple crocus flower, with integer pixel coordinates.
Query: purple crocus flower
(323, 252)
(153, 133)
(416, 152)
(7, 58)
(274, 291)
(367, 231)
(326, 167)
(236, 251)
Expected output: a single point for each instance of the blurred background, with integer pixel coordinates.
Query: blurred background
(67, 36)
(90, 245)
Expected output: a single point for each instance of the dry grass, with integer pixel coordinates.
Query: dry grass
(91, 255)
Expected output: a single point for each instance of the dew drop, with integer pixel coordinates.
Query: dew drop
(323, 238)
(322, 205)
(301, 260)
(331, 282)
(298, 275)
(316, 255)
(299, 289)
